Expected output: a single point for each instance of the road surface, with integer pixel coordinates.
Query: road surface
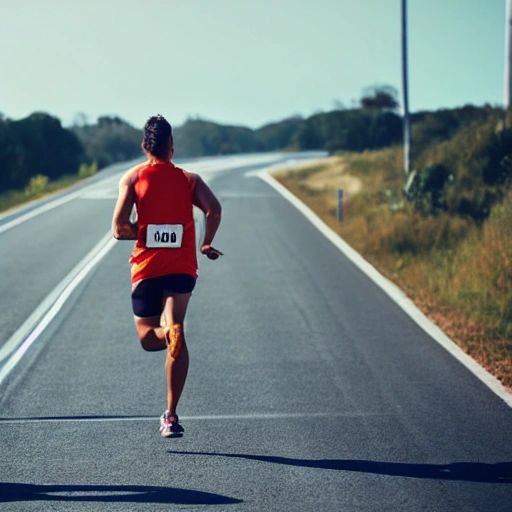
(308, 388)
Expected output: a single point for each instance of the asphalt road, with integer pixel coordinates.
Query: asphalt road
(308, 388)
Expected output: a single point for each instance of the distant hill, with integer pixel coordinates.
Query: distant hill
(202, 138)
(109, 140)
(39, 144)
(354, 130)
(347, 130)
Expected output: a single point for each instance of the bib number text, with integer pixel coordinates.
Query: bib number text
(167, 236)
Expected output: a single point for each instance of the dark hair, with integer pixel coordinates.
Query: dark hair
(157, 132)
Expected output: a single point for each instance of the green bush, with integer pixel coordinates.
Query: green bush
(86, 170)
(427, 188)
(37, 185)
(468, 173)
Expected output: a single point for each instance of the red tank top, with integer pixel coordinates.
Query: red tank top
(163, 196)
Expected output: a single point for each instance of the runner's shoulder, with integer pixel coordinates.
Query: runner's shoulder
(192, 177)
(130, 176)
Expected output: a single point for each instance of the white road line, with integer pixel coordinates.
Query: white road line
(38, 211)
(206, 417)
(290, 164)
(83, 192)
(18, 344)
(245, 195)
(395, 293)
(214, 165)
(123, 166)
(96, 190)
(99, 194)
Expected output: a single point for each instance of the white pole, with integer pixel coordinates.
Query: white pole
(507, 90)
(405, 87)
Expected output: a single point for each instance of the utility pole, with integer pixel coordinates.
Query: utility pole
(507, 90)
(405, 88)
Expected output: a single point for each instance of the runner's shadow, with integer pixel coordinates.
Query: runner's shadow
(110, 494)
(466, 471)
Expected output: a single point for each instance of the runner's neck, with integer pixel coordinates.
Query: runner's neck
(156, 161)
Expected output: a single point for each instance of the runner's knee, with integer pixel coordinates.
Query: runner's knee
(150, 342)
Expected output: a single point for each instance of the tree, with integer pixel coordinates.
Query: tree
(379, 97)
(37, 144)
(109, 140)
(80, 119)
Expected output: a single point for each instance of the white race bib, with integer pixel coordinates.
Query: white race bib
(164, 236)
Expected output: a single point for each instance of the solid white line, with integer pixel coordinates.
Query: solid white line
(213, 166)
(395, 293)
(206, 417)
(316, 158)
(29, 324)
(83, 192)
(17, 345)
(38, 211)
(96, 190)
(32, 328)
(71, 190)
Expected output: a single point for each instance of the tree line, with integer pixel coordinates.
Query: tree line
(462, 156)
(375, 123)
(349, 130)
(39, 145)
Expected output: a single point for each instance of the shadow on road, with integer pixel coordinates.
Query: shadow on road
(110, 494)
(38, 419)
(467, 471)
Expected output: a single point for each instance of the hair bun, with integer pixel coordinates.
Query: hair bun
(157, 132)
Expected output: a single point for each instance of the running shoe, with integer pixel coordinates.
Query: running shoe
(170, 426)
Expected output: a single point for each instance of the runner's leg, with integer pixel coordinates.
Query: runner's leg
(150, 332)
(176, 368)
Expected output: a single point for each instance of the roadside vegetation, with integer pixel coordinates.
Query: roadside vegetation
(39, 156)
(447, 242)
(39, 186)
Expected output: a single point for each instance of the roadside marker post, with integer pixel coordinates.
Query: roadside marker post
(340, 206)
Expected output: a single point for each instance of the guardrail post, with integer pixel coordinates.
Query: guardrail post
(340, 206)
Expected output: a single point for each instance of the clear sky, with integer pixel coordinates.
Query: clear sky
(241, 61)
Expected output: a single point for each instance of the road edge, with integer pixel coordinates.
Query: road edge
(393, 291)
(18, 344)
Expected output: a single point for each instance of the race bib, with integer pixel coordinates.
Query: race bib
(167, 236)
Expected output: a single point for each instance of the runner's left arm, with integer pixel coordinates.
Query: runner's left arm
(205, 199)
(122, 228)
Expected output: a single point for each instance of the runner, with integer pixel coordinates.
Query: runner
(163, 261)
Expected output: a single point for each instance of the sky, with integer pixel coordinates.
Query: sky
(244, 62)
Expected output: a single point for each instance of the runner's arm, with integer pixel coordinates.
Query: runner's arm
(122, 228)
(205, 200)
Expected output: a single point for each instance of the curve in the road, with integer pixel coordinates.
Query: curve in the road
(395, 293)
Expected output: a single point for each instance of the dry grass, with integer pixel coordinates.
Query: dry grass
(459, 274)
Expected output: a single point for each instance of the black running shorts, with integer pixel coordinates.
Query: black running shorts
(148, 295)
